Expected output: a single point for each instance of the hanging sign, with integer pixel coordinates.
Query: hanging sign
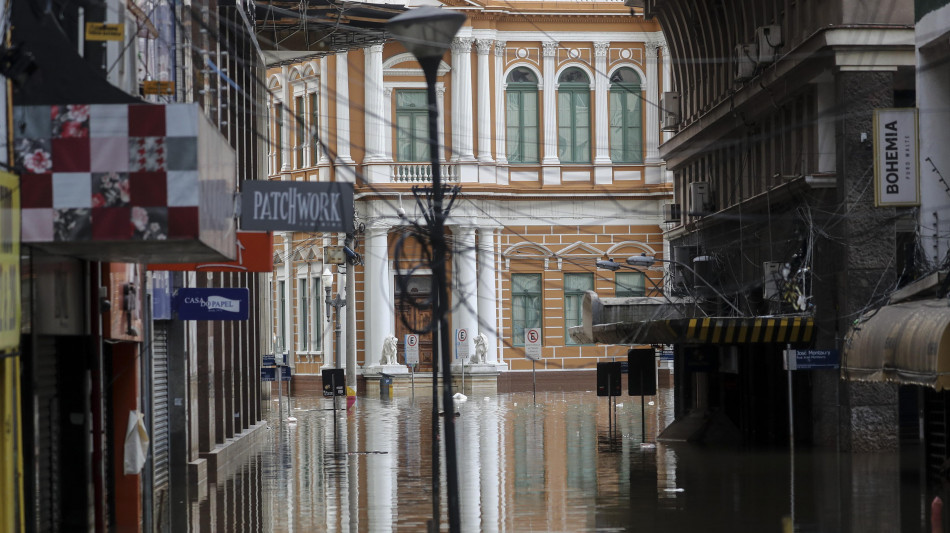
(412, 349)
(100, 31)
(896, 179)
(297, 206)
(212, 304)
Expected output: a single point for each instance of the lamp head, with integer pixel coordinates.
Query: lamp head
(608, 265)
(427, 32)
(327, 276)
(642, 260)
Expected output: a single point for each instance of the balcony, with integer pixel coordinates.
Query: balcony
(422, 172)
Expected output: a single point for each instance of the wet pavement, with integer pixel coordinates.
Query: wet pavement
(554, 465)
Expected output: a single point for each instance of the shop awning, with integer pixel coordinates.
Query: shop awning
(717, 330)
(907, 343)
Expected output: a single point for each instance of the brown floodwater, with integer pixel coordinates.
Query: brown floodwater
(566, 462)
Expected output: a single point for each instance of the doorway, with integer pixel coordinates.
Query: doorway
(412, 309)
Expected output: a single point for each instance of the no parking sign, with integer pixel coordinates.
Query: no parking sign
(532, 343)
(412, 349)
(461, 344)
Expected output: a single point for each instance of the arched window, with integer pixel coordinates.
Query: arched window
(626, 131)
(573, 116)
(521, 116)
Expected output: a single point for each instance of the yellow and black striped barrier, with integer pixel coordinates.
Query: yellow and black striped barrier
(743, 330)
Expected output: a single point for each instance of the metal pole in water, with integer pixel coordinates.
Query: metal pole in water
(643, 414)
(534, 382)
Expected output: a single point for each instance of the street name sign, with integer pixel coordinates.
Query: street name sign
(812, 359)
(297, 206)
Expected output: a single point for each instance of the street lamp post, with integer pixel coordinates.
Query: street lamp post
(335, 303)
(427, 33)
(644, 261)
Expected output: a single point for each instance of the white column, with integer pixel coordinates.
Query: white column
(324, 112)
(379, 306)
(373, 91)
(667, 82)
(482, 48)
(827, 144)
(550, 113)
(466, 286)
(603, 173)
(387, 131)
(501, 152)
(343, 110)
(651, 106)
(462, 105)
(487, 303)
(285, 120)
(440, 102)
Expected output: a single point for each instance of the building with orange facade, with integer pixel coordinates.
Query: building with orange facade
(549, 127)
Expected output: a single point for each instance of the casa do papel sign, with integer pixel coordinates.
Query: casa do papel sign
(212, 304)
(896, 178)
(297, 206)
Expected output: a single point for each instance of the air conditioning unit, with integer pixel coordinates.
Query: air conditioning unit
(745, 61)
(671, 213)
(768, 40)
(700, 198)
(670, 109)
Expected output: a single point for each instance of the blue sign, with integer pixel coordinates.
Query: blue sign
(212, 304)
(162, 295)
(268, 360)
(284, 373)
(269, 374)
(814, 359)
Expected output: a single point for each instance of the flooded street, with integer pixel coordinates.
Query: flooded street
(550, 466)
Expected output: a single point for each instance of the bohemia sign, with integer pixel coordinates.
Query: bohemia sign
(896, 181)
(297, 206)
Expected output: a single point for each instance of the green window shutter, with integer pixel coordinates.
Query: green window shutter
(626, 130)
(575, 285)
(630, 284)
(412, 137)
(521, 117)
(526, 305)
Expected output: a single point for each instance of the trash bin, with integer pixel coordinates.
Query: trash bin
(385, 386)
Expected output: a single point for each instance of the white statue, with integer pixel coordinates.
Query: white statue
(389, 351)
(481, 348)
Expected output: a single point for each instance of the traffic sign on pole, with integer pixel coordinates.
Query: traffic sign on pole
(412, 349)
(532, 343)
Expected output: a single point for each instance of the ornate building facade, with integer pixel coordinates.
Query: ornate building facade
(549, 126)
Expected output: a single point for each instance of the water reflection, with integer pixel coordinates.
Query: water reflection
(554, 465)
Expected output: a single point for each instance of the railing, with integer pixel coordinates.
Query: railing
(422, 172)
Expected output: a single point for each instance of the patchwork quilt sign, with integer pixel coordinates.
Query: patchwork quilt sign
(125, 173)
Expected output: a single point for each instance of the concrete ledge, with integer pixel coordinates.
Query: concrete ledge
(224, 457)
(198, 479)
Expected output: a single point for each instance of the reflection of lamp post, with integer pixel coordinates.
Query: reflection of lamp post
(645, 261)
(336, 303)
(427, 33)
